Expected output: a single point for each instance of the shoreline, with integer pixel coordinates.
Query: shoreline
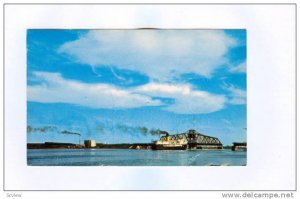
(52, 145)
(135, 146)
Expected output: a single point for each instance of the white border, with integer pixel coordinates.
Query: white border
(270, 95)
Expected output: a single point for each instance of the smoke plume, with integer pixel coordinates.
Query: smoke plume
(70, 133)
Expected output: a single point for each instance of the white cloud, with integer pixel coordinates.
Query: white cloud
(236, 95)
(159, 54)
(187, 99)
(241, 68)
(56, 89)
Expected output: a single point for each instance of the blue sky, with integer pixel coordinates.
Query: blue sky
(116, 86)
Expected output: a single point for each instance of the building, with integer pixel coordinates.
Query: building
(90, 143)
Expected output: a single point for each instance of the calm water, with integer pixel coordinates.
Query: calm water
(124, 157)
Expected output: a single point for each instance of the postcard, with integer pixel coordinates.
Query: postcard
(136, 97)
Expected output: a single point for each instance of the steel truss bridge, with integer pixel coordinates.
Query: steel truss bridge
(198, 140)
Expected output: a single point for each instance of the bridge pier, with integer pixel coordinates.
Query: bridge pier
(239, 146)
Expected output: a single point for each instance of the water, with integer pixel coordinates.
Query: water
(129, 157)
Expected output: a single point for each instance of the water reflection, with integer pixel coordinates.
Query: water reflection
(121, 157)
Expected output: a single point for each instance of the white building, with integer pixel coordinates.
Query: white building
(90, 143)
